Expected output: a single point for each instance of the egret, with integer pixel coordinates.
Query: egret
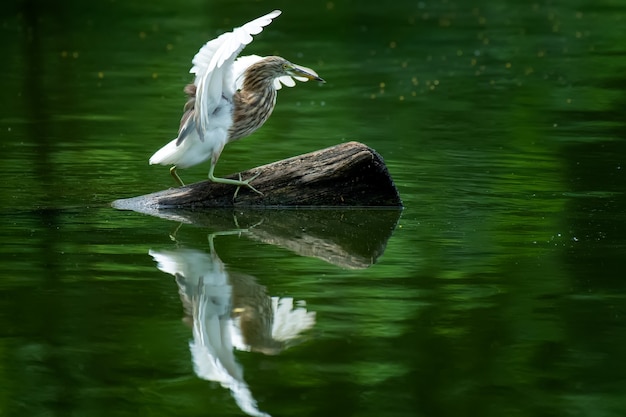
(229, 99)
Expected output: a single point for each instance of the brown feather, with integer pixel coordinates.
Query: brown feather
(255, 101)
(189, 109)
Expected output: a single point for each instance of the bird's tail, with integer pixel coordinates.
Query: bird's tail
(167, 155)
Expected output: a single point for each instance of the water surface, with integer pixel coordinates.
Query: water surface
(498, 290)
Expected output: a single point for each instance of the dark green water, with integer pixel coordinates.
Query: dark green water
(499, 292)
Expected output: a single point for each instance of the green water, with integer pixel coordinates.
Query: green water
(498, 291)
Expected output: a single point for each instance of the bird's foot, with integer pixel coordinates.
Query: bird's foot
(239, 183)
(247, 184)
(247, 228)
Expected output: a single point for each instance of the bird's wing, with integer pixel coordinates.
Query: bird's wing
(212, 67)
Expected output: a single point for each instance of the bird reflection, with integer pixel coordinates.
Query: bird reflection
(227, 311)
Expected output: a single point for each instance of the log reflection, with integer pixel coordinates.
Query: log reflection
(348, 238)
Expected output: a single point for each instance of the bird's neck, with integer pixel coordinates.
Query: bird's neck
(258, 91)
(253, 105)
(258, 77)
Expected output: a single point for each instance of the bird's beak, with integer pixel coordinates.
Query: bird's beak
(304, 73)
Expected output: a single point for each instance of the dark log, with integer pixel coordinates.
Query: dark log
(349, 174)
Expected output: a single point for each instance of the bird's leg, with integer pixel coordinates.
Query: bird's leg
(175, 175)
(175, 232)
(239, 183)
(238, 187)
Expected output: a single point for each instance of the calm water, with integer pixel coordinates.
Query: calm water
(498, 291)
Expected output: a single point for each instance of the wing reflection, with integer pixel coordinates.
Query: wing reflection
(230, 310)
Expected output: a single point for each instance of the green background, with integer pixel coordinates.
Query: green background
(500, 292)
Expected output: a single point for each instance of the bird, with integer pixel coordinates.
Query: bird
(230, 98)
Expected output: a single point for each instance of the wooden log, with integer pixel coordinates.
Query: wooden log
(349, 174)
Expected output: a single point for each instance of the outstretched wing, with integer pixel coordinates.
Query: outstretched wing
(212, 66)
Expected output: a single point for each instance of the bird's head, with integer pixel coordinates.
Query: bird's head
(280, 67)
(276, 71)
(299, 72)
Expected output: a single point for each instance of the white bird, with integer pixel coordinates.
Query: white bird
(228, 100)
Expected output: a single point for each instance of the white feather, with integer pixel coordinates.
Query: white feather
(212, 66)
(194, 150)
(290, 322)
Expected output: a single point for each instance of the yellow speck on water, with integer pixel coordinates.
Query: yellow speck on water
(508, 65)
(381, 85)
(405, 64)
(541, 54)
(459, 53)
(155, 75)
(373, 96)
(569, 101)
(393, 44)
(100, 74)
(473, 62)
(486, 41)
(482, 20)
(436, 82)
(413, 93)
(401, 98)
(579, 15)
(142, 35)
(64, 54)
(415, 81)
(529, 70)
(330, 5)
(579, 35)
(169, 47)
(75, 54)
